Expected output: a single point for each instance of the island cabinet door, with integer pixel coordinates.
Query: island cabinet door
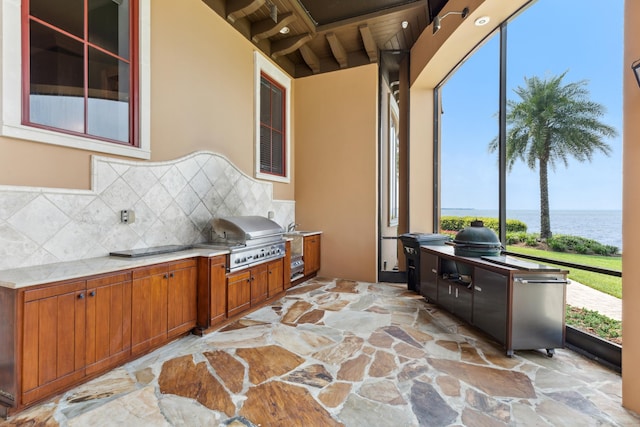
(182, 291)
(259, 284)
(53, 339)
(238, 292)
(148, 308)
(218, 288)
(108, 321)
(275, 278)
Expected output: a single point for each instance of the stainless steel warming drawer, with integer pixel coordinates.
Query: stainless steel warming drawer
(519, 303)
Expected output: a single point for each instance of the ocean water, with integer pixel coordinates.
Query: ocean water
(604, 226)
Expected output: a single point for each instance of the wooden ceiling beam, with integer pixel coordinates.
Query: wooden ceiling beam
(339, 53)
(301, 12)
(369, 43)
(267, 28)
(383, 13)
(310, 58)
(239, 8)
(288, 45)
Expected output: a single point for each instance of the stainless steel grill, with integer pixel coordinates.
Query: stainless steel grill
(250, 240)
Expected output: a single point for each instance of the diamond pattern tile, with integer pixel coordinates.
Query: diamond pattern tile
(174, 203)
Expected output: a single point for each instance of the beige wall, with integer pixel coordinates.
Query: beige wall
(631, 212)
(201, 99)
(336, 186)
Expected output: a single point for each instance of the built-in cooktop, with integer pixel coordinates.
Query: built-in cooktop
(156, 250)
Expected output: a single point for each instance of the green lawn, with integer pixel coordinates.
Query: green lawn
(608, 284)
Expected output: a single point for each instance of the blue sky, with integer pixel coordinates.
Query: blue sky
(547, 39)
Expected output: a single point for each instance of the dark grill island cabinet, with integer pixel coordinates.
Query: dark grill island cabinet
(520, 304)
(411, 243)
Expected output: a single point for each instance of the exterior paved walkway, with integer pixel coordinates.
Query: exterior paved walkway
(582, 296)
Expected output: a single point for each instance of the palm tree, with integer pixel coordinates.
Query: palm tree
(551, 122)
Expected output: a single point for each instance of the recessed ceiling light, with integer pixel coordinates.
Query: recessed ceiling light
(483, 20)
(284, 30)
(405, 24)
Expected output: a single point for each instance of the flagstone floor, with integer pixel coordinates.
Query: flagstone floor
(336, 352)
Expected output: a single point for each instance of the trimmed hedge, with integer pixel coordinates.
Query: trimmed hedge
(457, 223)
(580, 245)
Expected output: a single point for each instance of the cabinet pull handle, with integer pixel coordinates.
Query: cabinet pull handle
(170, 274)
(434, 271)
(80, 296)
(166, 276)
(92, 293)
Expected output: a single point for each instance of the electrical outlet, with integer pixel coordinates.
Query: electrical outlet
(127, 216)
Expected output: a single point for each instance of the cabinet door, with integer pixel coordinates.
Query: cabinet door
(429, 276)
(464, 302)
(53, 339)
(490, 303)
(108, 321)
(148, 308)
(276, 278)
(181, 291)
(446, 295)
(259, 284)
(218, 289)
(238, 292)
(311, 254)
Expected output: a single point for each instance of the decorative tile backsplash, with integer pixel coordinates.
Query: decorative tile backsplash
(174, 203)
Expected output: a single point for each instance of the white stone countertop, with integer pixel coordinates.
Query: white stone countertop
(289, 234)
(37, 275)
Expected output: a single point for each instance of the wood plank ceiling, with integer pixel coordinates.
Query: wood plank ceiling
(327, 35)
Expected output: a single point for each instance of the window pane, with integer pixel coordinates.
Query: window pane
(109, 26)
(276, 154)
(276, 108)
(108, 108)
(265, 149)
(57, 89)
(67, 15)
(584, 197)
(469, 120)
(265, 101)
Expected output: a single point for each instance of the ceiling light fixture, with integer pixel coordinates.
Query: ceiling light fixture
(405, 24)
(284, 30)
(483, 20)
(437, 21)
(636, 70)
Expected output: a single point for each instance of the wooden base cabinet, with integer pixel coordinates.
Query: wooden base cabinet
(253, 286)
(72, 330)
(163, 301)
(53, 339)
(212, 291)
(311, 254)
(108, 321)
(275, 277)
(57, 335)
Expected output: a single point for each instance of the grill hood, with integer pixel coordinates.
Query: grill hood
(244, 229)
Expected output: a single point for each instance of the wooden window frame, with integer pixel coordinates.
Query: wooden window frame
(132, 61)
(11, 105)
(272, 128)
(263, 67)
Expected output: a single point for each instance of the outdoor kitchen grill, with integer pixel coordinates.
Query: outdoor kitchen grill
(250, 240)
